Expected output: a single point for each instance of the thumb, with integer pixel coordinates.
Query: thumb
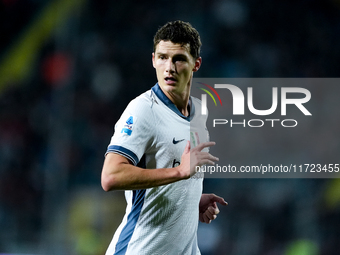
(187, 148)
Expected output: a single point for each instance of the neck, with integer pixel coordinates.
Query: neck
(180, 100)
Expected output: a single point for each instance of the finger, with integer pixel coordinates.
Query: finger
(201, 217)
(206, 162)
(206, 219)
(210, 215)
(206, 155)
(213, 210)
(205, 158)
(201, 146)
(218, 199)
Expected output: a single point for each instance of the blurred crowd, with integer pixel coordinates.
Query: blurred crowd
(56, 123)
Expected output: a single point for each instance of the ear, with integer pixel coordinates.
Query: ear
(153, 59)
(198, 63)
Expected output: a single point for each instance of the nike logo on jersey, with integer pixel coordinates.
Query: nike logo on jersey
(176, 141)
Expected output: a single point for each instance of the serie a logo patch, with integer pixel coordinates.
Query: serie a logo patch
(128, 126)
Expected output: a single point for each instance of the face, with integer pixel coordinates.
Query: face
(174, 67)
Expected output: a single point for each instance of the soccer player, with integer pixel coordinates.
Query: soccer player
(159, 140)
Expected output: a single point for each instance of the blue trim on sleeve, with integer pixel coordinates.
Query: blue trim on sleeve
(160, 94)
(124, 152)
(126, 234)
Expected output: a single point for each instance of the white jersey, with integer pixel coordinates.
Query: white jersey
(152, 133)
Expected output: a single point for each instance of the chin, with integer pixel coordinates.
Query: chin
(168, 87)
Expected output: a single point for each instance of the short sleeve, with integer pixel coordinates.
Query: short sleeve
(133, 132)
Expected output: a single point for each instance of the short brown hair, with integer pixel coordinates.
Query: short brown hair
(179, 32)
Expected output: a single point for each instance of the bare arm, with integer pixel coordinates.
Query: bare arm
(120, 174)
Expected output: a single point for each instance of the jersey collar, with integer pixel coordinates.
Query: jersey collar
(160, 94)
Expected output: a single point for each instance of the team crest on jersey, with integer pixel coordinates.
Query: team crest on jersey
(128, 126)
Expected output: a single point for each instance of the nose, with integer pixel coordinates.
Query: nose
(170, 66)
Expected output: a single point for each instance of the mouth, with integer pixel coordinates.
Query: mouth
(170, 80)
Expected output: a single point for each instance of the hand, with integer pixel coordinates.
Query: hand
(195, 157)
(208, 209)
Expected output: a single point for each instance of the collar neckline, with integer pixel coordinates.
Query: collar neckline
(160, 94)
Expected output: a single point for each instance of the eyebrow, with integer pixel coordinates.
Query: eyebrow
(176, 55)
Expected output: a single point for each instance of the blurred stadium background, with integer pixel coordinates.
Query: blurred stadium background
(68, 68)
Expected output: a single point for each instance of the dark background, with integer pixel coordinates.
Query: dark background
(68, 70)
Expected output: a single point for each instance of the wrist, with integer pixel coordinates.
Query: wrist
(182, 173)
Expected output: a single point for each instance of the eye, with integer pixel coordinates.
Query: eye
(161, 57)
(180, 59)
